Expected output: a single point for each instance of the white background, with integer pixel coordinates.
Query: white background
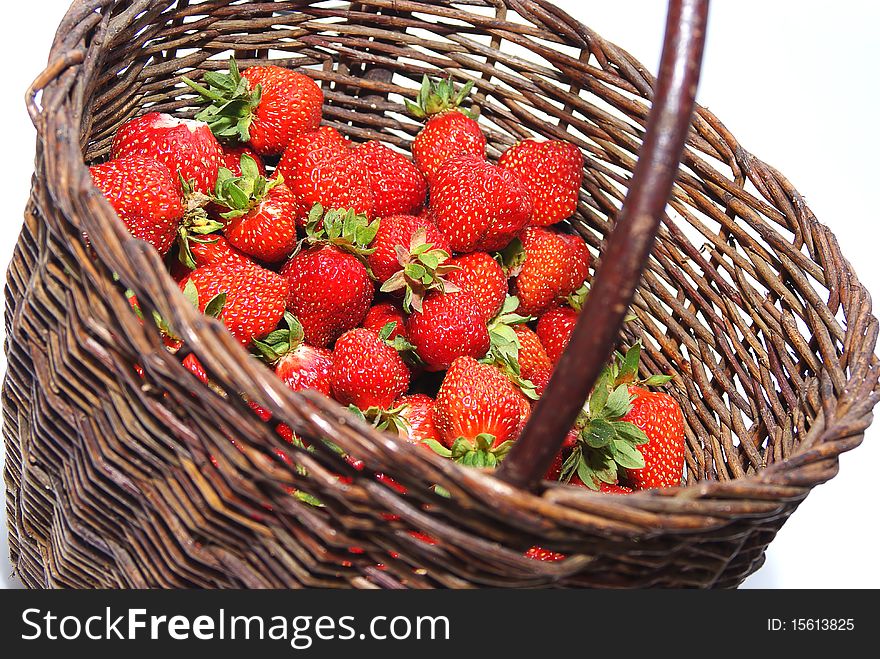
(795, 81)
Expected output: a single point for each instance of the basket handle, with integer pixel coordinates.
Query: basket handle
(627, 252)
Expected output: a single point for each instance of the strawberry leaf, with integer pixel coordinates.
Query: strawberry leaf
(229, 103)
(214, 308)
(437, 97)
(626, 455)
(617, 404)
(191, 293)
(657, 380)
(598, 434)
(512, 258)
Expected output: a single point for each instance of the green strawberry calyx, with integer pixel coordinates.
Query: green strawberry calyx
(606, 444)
(344, 228)
(437, 97)
(196, 226)
(389, 420)
(512, 258)
(504, 345)
(282, 341)
(229, 103)
(241, 194)
(424, 269)
(478, 453)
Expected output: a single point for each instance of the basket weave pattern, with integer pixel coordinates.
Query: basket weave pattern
(117, 481)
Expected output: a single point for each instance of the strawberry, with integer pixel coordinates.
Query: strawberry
(605, 488)
(247, 298)
(448, 130)
(184, 146)
(554, 267)
(540, 554)
(320, 168)
(398, 187)
(534, 364)
(477, 205)
(299, 365)
(479, 413)
(265, 106)
(614, 488)
(449, 326)
(330, 288)
(260, 213)
(552, 172)
(418, 412)
(145, 196)
(194, 366)
(554, 471)
(214, 249)
(284, 431)
(481, 276)
(612, 430)
(659, 416)
(367, 371)
(231, 158)
(410, 257)
(382, 313)
(555, 328)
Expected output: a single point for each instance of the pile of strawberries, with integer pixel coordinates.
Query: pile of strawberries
(432, 295)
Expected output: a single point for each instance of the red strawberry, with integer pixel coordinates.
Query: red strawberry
(320, 168)
(481, 276)
(448, 131)
(397, 185)
(182, 145)
(251, 299)
(266, 106)
(261, 213)
(478, 411)
(330, 292)
(214, 249)
(540, 554)
(580, 258)
(449, 326)
(534, 364)
(554, 472)
(614, 488)
(477, 205)
(418, 412)
(231, 158)
(659, 416)
(555, 328)
(330, 288)
(382, 313)
(552, 171)
(299, 365)
(265, 416)
(145, 196)
(367, 372)
(554, 268)
(194, 366)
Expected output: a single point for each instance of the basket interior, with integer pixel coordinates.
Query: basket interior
(719, 301)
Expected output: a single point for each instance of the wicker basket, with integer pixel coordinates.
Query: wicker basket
(117, 481)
